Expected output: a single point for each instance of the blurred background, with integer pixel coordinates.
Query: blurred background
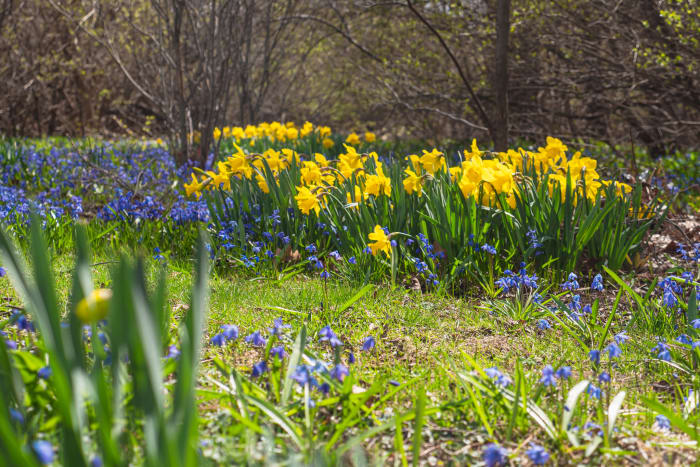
(620, 72)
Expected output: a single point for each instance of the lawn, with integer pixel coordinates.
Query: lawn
(521, 318)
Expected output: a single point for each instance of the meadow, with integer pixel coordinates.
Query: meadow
(312, 298)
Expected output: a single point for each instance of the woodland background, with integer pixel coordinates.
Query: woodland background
(622, 72)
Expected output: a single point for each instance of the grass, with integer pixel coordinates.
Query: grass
(420, 338)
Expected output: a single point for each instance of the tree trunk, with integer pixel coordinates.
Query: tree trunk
(500, 78)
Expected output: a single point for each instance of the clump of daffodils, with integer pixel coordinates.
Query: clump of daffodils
(489, 178)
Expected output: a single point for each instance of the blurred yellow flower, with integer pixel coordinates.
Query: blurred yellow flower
(413, 183)
(327, 143)
(378, 183)
(353, 139)
(195, 187)
(380, 241)
(370, 137)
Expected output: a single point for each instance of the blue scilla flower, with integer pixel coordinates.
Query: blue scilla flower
(173, 353)
(302, 375)
(310, 248)
(594, 356)
(367, 250)
(575, 304)
(230, 331)
(43, 450)
(339, 372)
(537, 454)
(278, 326)
(571, 283)
(278, 352)
(2, 272)
(563, 373)
(604, 377)
(684, 339)
(597, 283)
(548, 376)
(352, 260)
(256, 339)
(44, 372)
(594, 391)
(259, 368)
(96, 462)
(621, 337)
(218, 340)
(335, 255)
(543, 324)
(499, 378)
(325, 274)
(495, 455)
(368, 344)
(351, 358)
(613, 350)
(662, 351)
(662, 422)
(488, 249)
(16, 416)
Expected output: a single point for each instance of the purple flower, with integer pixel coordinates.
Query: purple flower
(663, 422)
(548, 376)
(259, 368)
(695, 323)
(495, 455)
(368, 344)
(335, 255)
(256, 339)
(173, 352)
(604, 377)
(278, 352)
(537, 454)
(352, 260)
(218, 340)
(325, 274)
(621, 337)
(351, 358)
(2, 272)
(597, 283)
(12, 345)
(613, 351)
(327, 334)
(594, 356)
(16, 416)
(563, 373)
(594, 391)
(277, 326)
(44, 372)
(302, 375)
(43, 451)
(339, 372)
(230, 331)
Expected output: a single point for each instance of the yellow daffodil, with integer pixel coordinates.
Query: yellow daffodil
(353, 139)
(94, 307)
(378, 183)
(308, 199)
(413, 183)
(380, 241)
(195, 187)
(370, 137)
(432, 161)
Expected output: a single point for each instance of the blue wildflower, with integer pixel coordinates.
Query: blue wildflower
(218, 340)
(594, 356)
(571, 283)
(543, 324)
(173, 352)
(277, 326)
(339, 372)
(43, 451)
(352, 260)
(311, 249)
(368, 344)
(597, 283)
(613, 351)
(563, 373)
(256, 339)
(548, 376)
(495, 455)
(604, 377)
(278, 352)
(663, 422)
(44, 372)
(594, 391)
(537, 454)
(621, 337)
(230, 331)
(16, 416)
(259, 368)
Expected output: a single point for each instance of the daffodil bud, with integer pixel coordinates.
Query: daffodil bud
(94, 306)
